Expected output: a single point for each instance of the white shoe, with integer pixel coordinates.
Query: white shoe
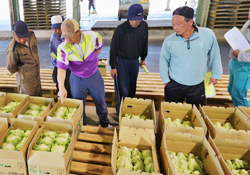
(109, 126)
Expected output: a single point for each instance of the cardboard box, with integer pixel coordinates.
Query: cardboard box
(230, 149)
(187, 143)
(137, 106)
(41, 162)
(133, 142)
(183, 112)
(2, 94)
(67, 102)
(3, 126)
(126, 133)
(22, 98)
(221, 114)
(14, 162)
(42, 101)
(102, 66)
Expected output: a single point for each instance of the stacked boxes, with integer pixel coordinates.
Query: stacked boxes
(14, 162)
(135, 132)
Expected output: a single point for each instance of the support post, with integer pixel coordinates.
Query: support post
(168, 4)
(14, 11)
(76, 11)
(202, 13)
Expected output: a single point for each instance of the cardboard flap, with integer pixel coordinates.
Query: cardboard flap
(197, 119)
(125, 133)
(241, 120)
(193, 131)
(55, 159)
(3, 128)
(137, 123)
(211, 163)
(114, 152)
(3, 120)
(14, 155)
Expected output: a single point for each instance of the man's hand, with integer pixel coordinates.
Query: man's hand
(165, 84)
(213, 81)
(62, 93)
(143, 63)
(113, 73)
(236, 52)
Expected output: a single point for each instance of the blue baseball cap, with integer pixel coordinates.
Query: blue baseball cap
(135, 12)
(21, 29)
(56, 21)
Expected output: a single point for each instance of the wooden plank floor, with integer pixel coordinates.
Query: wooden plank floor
(92, 152)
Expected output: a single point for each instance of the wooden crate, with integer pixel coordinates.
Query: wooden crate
(228, 13)
(92, 152)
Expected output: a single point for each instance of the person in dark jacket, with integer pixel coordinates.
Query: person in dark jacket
(22, 58)
(129, 42)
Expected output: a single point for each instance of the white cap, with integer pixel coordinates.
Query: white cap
(56, 21)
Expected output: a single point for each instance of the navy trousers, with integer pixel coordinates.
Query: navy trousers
(95, 85)
(127, 71)
(175, 92)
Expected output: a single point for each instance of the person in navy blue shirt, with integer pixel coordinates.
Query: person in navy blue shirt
(55, 41)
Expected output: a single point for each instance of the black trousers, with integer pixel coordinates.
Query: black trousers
(175, 92)
(66, 83)
(127, 73)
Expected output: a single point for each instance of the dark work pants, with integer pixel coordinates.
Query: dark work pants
(175, 92)
(66, 83)
(127, 73)
(95, 85)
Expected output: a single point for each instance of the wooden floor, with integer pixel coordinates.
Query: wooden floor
(92, 153)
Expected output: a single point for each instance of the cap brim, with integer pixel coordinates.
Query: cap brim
(56, 25)
(23, 35)
(66, 35)
(136, 18)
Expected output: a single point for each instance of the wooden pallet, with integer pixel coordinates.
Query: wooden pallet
(92, 153)
(38, 13)
(149, 86)
(227, 14)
